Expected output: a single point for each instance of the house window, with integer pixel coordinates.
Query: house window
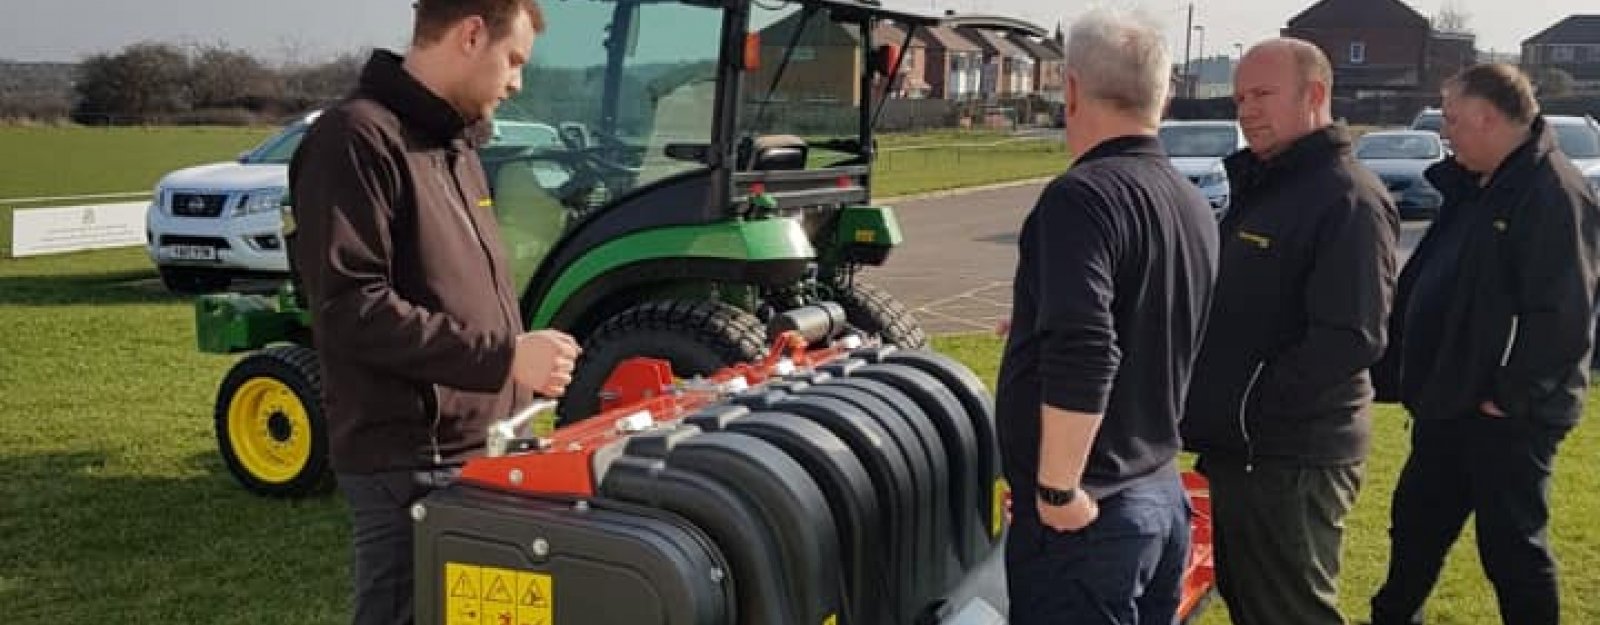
(802, 54)
(1358, 52)
(1561, 54)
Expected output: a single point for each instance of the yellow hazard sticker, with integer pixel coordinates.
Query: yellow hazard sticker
(485, 595)
(997, 516)
(866, 236)
(833, 619)
(486, 203)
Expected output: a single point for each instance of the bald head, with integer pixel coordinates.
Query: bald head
(1283, 90)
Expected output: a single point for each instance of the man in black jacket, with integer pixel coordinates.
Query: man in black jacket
(1113, 284)
(1278, 410)
(1491, 339)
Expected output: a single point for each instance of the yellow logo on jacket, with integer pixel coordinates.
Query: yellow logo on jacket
(487, 202)
(1259, 240)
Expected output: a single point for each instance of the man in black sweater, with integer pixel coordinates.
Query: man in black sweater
(1491, 335)
(1110, 298)
(1278, 411)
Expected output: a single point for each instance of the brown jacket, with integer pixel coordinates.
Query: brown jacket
(397, 252)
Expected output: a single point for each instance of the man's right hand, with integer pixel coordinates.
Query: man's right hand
(544, 361)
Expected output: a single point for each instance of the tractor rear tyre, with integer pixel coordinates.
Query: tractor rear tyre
(270, 426)
(873, 311)
(697, 337)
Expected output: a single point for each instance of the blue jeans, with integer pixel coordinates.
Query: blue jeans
(1126, 568)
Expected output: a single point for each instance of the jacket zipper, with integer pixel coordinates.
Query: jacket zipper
(1511, 342)
(461, 211)
(1244, 424)
(433, 434)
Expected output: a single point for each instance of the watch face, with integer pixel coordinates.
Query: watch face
(1056, 497)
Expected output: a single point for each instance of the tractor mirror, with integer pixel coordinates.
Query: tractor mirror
(886, 60)
(752, 52)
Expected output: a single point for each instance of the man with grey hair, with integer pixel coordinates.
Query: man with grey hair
(1279, 411)
(1111, 293)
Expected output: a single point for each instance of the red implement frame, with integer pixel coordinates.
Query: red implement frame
(644, 388)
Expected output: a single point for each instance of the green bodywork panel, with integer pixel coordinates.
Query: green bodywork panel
(232, 322)
(742, 241)
(868, 225)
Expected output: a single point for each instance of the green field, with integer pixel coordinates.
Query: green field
(115, 503)
(73, 160)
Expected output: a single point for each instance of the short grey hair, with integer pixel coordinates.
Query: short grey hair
(1120, 59)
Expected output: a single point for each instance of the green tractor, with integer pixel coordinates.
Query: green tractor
(674, 175)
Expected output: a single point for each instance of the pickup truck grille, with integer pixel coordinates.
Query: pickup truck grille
(198, 204)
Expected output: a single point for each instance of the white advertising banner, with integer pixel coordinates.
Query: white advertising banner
(39, 231)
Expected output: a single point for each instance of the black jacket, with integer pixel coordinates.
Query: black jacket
(1307, 274)
(1516, 307)
(397, 250)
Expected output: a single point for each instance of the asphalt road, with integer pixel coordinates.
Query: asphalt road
(955, 267)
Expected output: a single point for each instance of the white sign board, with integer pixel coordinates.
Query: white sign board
(39, 231)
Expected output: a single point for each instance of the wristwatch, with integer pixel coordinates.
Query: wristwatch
(1056, 496)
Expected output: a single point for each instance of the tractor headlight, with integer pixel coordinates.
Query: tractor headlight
(259, 201)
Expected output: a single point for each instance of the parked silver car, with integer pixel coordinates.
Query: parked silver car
(1197, 149)
(1399, 158)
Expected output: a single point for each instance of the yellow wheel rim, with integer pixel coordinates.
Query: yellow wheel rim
(269, 429)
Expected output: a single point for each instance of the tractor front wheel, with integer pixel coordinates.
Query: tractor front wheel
(875, 312)
(269, 423)
(697, 337)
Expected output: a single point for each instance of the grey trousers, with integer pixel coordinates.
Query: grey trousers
(380, 507)
(1277, 532)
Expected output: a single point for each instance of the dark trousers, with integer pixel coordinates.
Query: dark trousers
(380, 507)
(1126, 568)
(1497, 468)
(1277, 531)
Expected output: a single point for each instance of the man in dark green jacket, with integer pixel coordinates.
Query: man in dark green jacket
(1492, 332)
(1278, 408)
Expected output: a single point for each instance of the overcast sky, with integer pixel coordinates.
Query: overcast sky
(310, 30)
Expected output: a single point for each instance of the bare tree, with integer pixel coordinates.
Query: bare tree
(1452, 18)
(222, 77)
(144, 82)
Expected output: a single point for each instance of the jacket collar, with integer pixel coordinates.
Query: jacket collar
(1248, 172)
(1456, 182)
(1126, 145)
(386, 80)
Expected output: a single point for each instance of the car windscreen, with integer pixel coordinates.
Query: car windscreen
(1397, 147)
(1578, 140)
(1432, 121)
(1195, 141)
(278, 149)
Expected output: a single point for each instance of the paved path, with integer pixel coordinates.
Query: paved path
(955, 268)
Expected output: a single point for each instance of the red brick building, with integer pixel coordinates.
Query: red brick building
(1382, 47)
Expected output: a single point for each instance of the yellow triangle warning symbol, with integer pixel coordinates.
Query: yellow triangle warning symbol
(497, 591)
(533, 597)
(464, 587)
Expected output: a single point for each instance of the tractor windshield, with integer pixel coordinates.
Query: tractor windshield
(808, 83)
(611, 84)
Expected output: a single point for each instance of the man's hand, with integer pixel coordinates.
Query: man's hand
(1003, 329)
(544, 361)
(1488, 408)
(1074, 516)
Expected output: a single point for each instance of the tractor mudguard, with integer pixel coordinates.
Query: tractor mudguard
(864, 235)
(764, 251)
(227, 323)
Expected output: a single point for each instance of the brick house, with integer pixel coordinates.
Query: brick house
(953, 66)
(1007, 69)
(1049, 66)
(1571, 45)
(1381, 47)
(911, 81)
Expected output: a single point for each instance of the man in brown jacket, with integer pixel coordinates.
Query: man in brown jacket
(413, 312)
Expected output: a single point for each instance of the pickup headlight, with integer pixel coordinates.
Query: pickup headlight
(259, 201)
(1212, 179)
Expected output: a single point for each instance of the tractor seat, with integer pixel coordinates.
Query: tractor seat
(777, 153)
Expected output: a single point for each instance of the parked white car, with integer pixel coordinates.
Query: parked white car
(1197, 149)
(212, 224)
(1579, 139)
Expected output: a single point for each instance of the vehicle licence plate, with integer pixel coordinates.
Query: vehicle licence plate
(190, 252)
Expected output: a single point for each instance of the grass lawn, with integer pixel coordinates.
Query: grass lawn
(115, 503)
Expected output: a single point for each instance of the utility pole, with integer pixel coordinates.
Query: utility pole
(1188, 36)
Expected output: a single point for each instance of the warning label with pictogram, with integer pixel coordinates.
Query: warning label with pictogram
(482, 595)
